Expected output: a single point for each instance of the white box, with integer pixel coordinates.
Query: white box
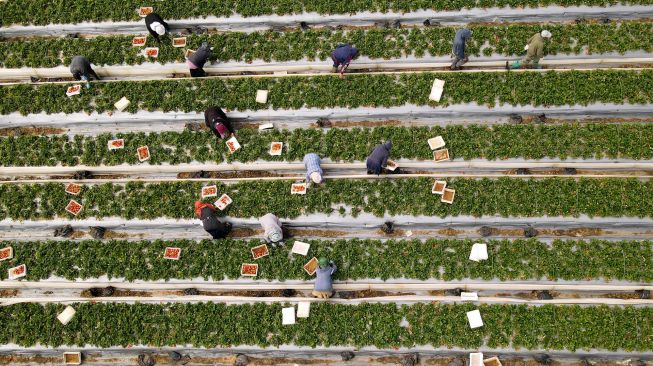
(66, 315)
(262, 96)
(265, 126)
(436, 142)
(436, 90)
(122, 104)
(469, 296)
(298, 188)
(303, 309)
(475, 359)
(288, 316)
(73, 90)
(475, 320)
(478, 252)
(300, 248)
(391, 165)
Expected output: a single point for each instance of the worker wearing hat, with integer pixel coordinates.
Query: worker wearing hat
(323, 288)
(272, 229)
(534, 51)
(212, 225)
(156, 26)
(313, 169)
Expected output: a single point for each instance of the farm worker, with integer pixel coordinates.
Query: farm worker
(323, 288)
(342, 56)
(534, 51)
(378, 159)
(313, 170)
(272, 229)
(206, 213)
(197, 60)
(217, 122)
(81, 69)
(156, 26)
(460, 58)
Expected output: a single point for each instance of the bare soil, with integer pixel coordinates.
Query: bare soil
(35, 131)
(317, 233)
(8, 293)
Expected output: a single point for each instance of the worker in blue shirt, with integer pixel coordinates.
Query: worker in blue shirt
(313, 169)
(342, 56)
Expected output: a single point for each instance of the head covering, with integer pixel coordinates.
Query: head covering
(275, 235)
(158, 28)
(355, 53)
(546, 34)
(388, 145)
(323, 262)
(222, 129)
(316, 177)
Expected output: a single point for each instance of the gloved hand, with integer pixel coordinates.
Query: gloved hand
(526, 48)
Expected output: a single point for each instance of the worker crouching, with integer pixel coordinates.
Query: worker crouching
(378, 159)
(342, 57)
(81, 69)
(272, 230)
(534, 51)
(216, 120)
(196, 61)
(459, 55)
(323, 288)
(156, 26)
(314, 171)
(207, 213)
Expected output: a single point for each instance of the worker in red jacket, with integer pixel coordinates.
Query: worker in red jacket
(207, 213)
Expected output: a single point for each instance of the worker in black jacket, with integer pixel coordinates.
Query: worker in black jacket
(217, 121)
(206, 213)
(197, 60)
(156, 26)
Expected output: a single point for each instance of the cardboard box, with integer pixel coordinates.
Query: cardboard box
(448, 196)
(436, 142)
(436, 90)
(441, 155)
(301, 248)
(478, 252)
(73, 90)
(474, 318)
(262, 96)
(311, 266)
(122, 104)
(172, 253)
(72, 358)
(391, 165)
(475, 359)
(6, 253)
(232, 144)
(276, 148)
(260, 251)
(288, 316)
(210, 191)
(188, 53)
(249, 269)
(17, 272)
(139, 41)
(492, 361)
(438, 187)
(469, 296)
(72, 188)
(265, 126)
(74, 207)
(179, 42)
(66, 315)
(116, 144)
(298, 188)
(152, 52)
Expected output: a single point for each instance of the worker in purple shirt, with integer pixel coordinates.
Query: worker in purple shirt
(342, 56)
(313, 169)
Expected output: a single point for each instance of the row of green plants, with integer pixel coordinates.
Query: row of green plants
(211, 325)
(370, 90)
(578, 140)
(408, 196)
(357, 259)
(317, 44)
(48, 11)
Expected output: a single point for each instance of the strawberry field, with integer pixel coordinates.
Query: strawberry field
(513, 215)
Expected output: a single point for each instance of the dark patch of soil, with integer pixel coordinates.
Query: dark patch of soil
(34, 131)
(8, 293)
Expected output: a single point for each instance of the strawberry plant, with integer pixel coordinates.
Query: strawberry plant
(484, 88)
(506, 197)
(546, 327)
(317, 44)
(432, 259)
(573, 140)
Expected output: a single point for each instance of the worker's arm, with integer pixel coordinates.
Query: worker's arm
(334, 268)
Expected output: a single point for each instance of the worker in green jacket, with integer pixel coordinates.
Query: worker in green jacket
(534, 51)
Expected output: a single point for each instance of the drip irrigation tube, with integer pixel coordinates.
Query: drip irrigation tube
(256, 23)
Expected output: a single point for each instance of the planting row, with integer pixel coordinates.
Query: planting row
(589, 141)
(318, 44)
(408, 196)
(46, 11)
(356, 259)
(491, 88)
(211, 325)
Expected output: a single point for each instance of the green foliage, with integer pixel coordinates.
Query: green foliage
(61, 11)
(209, 325)
(357, 259)
(318, 44)
(506, 197)
(588, 141)
(485, 88)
